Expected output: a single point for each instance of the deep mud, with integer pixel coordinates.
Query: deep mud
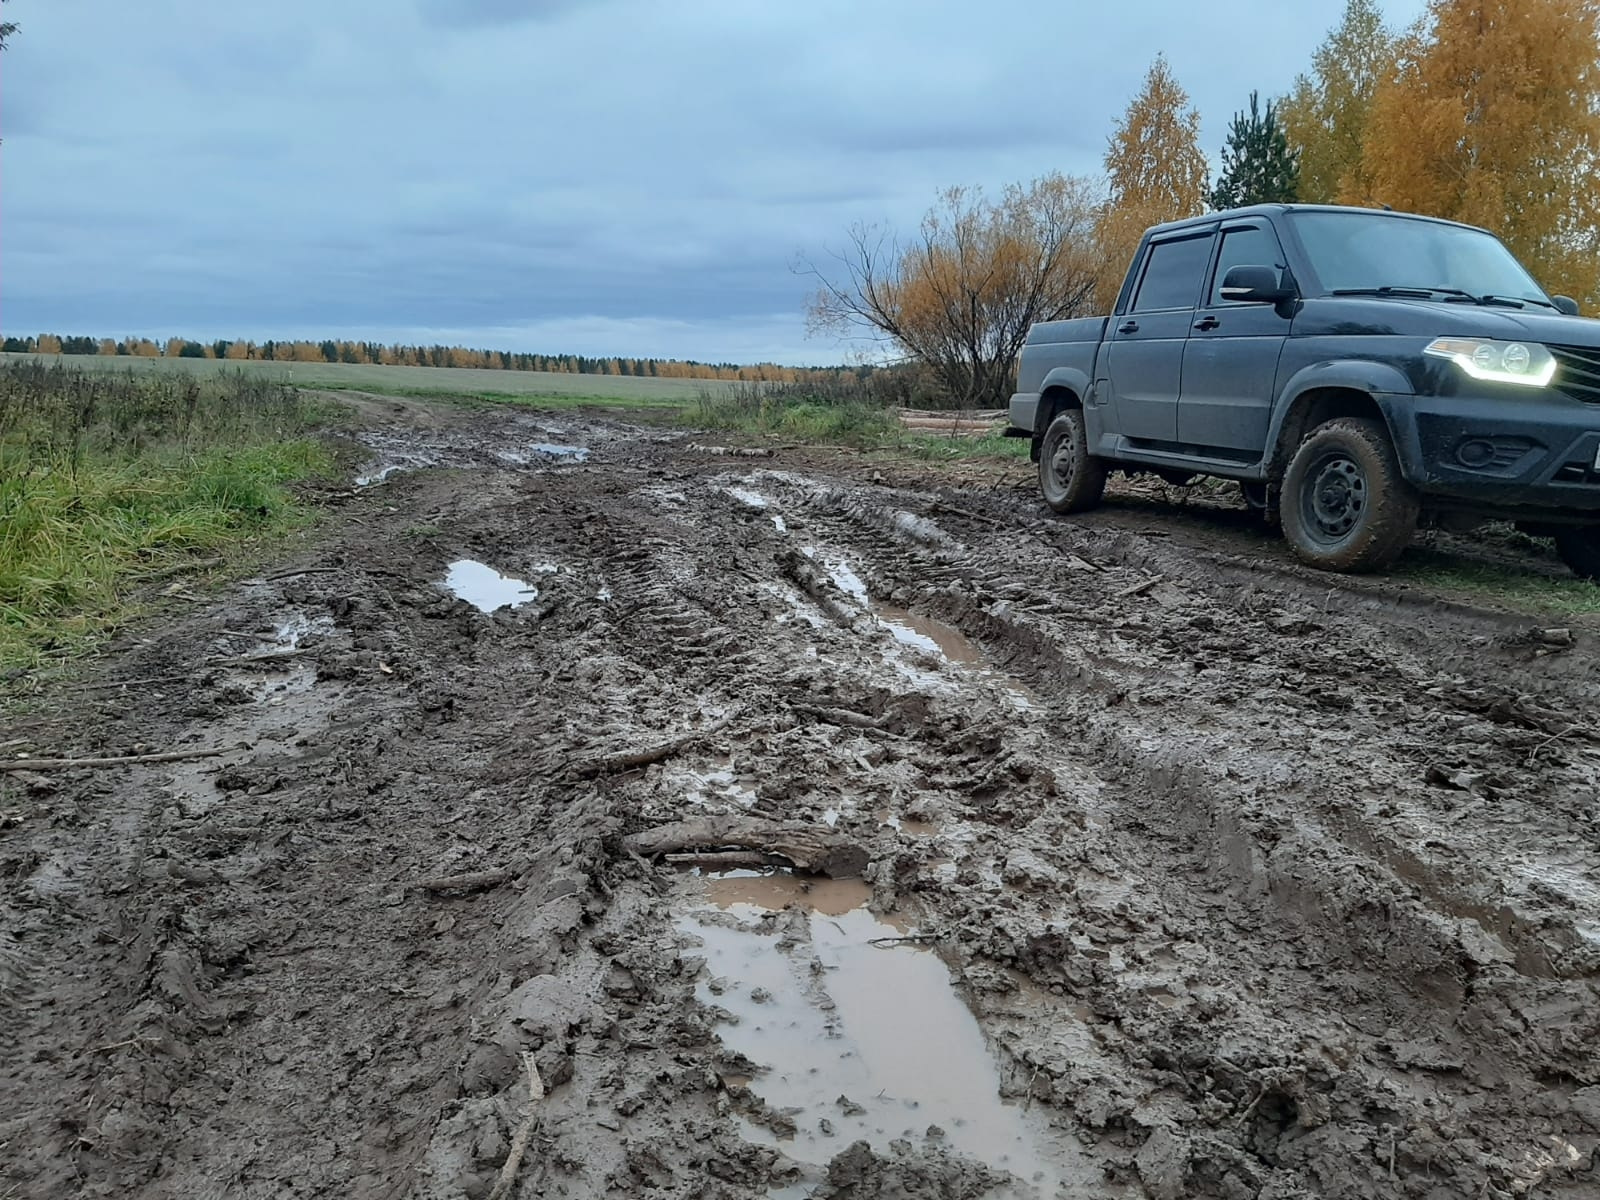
(1192, 873)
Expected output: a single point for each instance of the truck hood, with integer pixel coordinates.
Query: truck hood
(1433, 318)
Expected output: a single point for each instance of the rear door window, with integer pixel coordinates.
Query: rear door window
(1172, 274)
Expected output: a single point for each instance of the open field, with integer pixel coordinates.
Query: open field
(1135, 860)
(623, 390)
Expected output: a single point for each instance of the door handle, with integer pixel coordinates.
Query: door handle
(1128, 327)
(1207, 323)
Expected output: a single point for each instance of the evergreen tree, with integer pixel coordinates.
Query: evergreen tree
(1257, 165)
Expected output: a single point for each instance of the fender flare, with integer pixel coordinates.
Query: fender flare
(1382, 382)
(1071, 379)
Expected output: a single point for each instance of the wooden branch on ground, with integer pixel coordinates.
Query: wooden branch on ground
(805, 847)
(1142, 586)
(302, 571)
(839, 716)
(519, 1144)
(726, 860)
(472, 881)
(120, 760)
(611, 764)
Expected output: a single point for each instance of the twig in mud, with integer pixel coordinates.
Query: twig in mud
(919, 939)
(273, 578)
(1142, 586)
(133, 1041)
(723, 860)
(519, 1144)
(1032, 1079)
(839, 716)
(1552, 739)
(472, 881)
(119, 760)
(241, 660)
(610, 764)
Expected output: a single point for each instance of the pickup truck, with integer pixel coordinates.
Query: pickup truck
(1356, 371)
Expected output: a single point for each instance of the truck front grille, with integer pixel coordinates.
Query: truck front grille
(1578, 372)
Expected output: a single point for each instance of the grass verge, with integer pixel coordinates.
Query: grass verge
(840, 415)
(109, 483)
(1521, 588)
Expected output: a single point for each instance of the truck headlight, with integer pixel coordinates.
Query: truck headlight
(1527, 363)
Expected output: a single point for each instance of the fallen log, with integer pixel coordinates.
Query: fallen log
(804, 847)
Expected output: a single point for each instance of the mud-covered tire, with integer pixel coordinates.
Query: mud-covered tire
(1579, 548)
(1070, 478)
(1345, 506)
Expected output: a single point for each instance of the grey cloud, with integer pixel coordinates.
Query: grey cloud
(595, 170)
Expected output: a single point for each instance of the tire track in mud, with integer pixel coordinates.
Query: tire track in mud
(1178, 845)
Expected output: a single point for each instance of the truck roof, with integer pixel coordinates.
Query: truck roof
(1260, 210)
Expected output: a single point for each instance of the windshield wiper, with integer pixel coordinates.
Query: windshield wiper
(1515, 301)
(1412, 293)
(1451, 295)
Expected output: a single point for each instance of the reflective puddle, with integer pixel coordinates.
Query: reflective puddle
(924, 633)
(485, 588)
(555, 450)
(859, 1034)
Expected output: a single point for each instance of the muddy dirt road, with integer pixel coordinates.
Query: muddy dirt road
(1164, 869)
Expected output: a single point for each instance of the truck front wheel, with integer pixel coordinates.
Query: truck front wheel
(1071, 479)
(1345, 505)
(1579, 548)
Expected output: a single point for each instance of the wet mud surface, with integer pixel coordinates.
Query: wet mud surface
(1189, 873)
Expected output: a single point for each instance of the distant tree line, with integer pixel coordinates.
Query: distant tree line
(331, 351)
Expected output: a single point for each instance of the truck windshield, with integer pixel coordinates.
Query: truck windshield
(1362, 251)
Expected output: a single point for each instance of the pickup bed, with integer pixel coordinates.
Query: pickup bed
(1357, 371)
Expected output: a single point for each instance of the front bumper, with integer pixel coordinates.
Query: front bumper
(1501, 452)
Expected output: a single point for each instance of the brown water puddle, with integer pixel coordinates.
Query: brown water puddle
(862, 1035)
(924, 633)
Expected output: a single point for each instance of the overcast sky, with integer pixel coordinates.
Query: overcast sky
(628, 177)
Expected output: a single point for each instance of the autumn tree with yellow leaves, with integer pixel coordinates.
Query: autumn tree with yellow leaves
(1155, 172)
(1494, 119)
(961, 297)
(1325, 117)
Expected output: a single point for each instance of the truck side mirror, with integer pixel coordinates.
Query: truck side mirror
(1259, 285)
(1565, 304)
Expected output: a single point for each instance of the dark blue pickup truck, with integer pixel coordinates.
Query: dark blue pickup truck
(1355, 370)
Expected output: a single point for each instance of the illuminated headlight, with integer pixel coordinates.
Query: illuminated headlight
(1527, 363)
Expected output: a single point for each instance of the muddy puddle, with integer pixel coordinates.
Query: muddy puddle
(558, 451)
(856, 1033)
(486, 589)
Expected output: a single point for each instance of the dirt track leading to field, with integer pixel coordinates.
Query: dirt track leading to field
(1188, 873)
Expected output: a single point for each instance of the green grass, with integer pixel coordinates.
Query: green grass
(842, 415)
(547, 388)
(111, 482)
(1521, 588)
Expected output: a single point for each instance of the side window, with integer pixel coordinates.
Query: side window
(1244, 248)
(1172, 274)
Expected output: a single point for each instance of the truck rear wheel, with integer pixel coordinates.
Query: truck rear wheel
(1071, 478)
(1579, 548)
(1345, 505)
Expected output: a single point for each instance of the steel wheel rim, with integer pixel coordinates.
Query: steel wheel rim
(1335, 498)
(1061, 457)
